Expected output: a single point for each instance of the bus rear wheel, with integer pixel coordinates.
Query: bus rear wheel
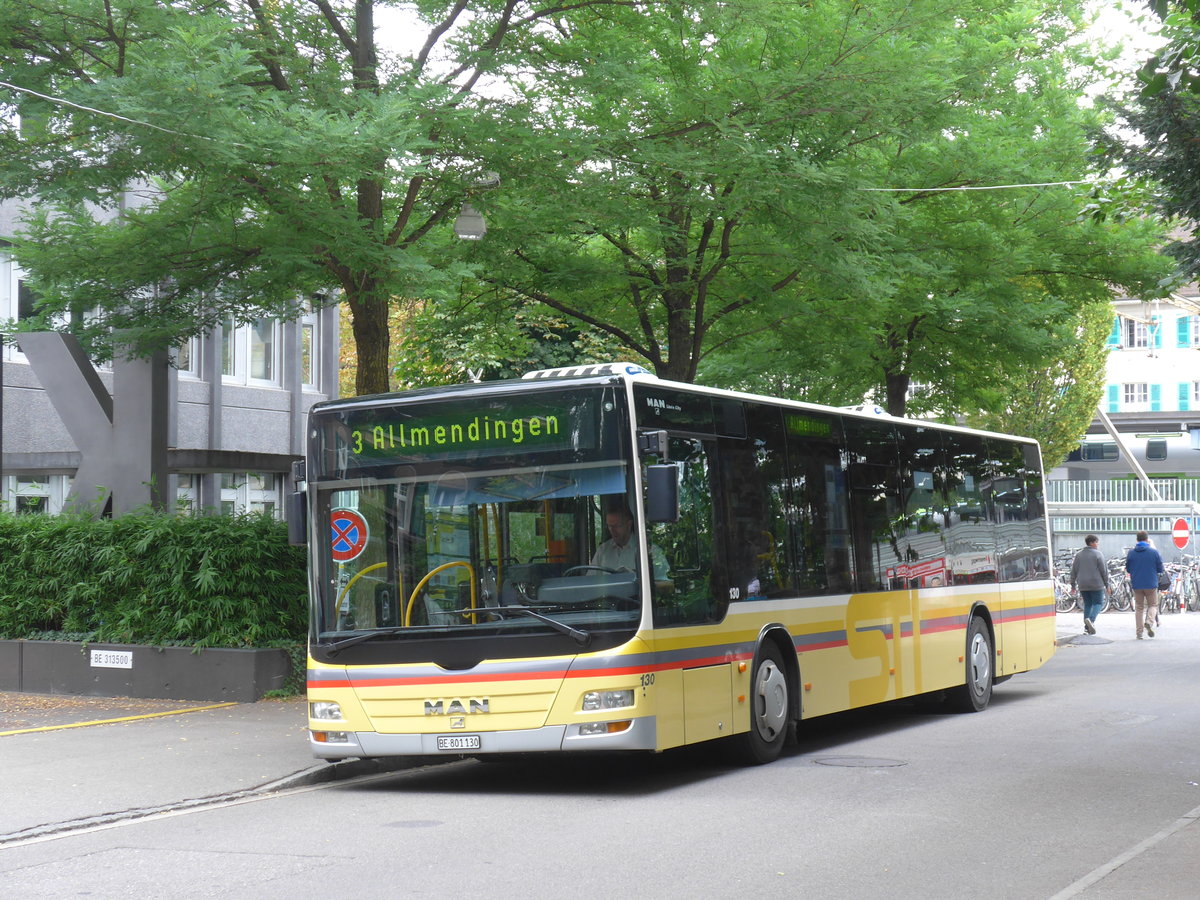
(979, 670)
(770, 710)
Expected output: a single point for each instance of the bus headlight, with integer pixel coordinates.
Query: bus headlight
(325, 710)
(594, 700)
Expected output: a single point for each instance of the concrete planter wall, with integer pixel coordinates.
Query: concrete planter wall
(135, 670)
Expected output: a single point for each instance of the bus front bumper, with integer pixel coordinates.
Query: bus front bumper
(641, 734)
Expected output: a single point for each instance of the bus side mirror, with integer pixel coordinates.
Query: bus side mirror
(296, 506)
(297, 518)
(662, 493)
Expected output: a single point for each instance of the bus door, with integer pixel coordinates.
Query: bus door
(696, 592)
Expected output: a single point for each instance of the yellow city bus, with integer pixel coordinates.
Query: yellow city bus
(783, 561)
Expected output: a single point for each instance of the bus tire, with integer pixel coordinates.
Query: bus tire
(770, 710)
(978, 670)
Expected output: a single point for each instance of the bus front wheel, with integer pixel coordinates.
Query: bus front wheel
(770, 710)
(979, 670)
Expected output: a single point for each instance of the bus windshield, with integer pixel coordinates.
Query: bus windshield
(494, 537)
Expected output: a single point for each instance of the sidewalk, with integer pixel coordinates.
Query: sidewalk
(144, 759)
(1171, 857)
(71, 759)
(1118, 626)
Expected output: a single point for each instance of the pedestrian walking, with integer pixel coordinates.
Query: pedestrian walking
(1089, 575)
(1144, 563)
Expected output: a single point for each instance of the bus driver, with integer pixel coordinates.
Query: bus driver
(619, 552)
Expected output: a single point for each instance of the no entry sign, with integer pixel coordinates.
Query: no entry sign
(1181, 533)
(349, 534)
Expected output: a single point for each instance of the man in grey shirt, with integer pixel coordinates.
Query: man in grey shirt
(620, 553)
(1090, 574)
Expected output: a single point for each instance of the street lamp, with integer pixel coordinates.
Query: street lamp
(469, 226)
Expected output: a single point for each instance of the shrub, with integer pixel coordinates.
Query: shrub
(150, 578)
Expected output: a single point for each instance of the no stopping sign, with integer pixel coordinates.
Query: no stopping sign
(349, 534)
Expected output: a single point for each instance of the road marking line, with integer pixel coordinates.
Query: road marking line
(155, 715)
(1098, 874)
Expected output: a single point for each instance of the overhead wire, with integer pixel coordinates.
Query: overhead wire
(112, 115)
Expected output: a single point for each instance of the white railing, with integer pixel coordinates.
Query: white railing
(1127, 490)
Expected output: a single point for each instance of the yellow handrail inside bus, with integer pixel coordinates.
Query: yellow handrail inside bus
(424, 581)
(495, 507)
(350, 583)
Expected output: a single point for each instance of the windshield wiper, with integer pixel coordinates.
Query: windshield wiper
(583, 638)
(360, 638)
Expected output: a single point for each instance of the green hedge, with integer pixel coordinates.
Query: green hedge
(213, 581)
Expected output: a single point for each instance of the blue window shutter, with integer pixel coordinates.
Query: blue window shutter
(1156, 327)
(1114, 398)
(1183, 334)
(1184, 390)
(1114, 336)
(1155, 398)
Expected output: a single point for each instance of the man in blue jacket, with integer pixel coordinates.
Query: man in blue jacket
(1143, 563)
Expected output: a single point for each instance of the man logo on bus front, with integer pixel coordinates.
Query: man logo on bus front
(456, 707)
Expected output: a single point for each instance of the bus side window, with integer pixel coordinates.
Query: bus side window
(754, 506)
(875, 505)
(818, 503)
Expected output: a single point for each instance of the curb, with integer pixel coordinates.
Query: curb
(346, 769)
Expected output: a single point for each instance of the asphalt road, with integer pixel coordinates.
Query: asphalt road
(1081, 780)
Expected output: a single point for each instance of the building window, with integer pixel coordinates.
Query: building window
(1195, 393)
(262, 349)
(1137, 334)
(185, 494)
(1135, 396)
(250, 492)
(34, 493)
(12, 289)
(1194, 330)
(308, 347)
(250, 352)
(187, 357)
(1156, 449)
(241, 492)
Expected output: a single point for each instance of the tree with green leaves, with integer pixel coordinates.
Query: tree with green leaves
(1054, 399)
(975, 285)
(726, 208)
(192, 161)
(435, 346)
(691, 179)
(1161, 140)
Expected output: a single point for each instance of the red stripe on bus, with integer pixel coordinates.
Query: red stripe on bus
(526, 676)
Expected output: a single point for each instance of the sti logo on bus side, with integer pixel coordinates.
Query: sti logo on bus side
(456, 707)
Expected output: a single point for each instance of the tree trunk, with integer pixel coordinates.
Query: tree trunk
(897, 392)
(369, 320)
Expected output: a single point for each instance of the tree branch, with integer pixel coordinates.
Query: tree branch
(268, 56)
(436, 34)
(331, 16)
(549, 301)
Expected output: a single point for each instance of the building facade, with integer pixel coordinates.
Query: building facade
(233, 406)
(1138, 466)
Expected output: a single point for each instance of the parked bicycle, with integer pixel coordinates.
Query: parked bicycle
(1122, 592)
(1066, 598)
